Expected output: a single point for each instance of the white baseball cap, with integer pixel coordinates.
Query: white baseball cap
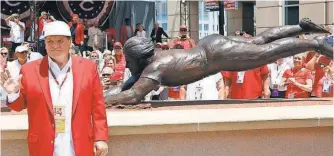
(21, 48)
(57, 28)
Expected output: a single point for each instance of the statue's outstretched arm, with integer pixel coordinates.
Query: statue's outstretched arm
(133, 95)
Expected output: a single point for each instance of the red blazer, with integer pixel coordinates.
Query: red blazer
(89, 122)
(124, 34)
(79, 32)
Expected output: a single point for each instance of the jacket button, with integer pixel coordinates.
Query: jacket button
(51, 141)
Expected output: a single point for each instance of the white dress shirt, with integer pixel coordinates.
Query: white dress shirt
(63, 145)
(34, 56)
(141, 33)
(63, 141)
(204, 89)
(276, 74)
(14, 68)
(17, 34)
(94, 33)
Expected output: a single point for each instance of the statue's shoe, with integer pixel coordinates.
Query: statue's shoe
(307, 25)
(325, 45)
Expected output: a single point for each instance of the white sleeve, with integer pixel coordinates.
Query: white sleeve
(10, 24)
(12, 97)
(218, 76)
(39, 55)
(24, 25)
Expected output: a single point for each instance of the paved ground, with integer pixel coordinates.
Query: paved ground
(220, 104)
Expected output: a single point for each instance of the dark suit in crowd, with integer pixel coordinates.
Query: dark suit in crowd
(158, 34)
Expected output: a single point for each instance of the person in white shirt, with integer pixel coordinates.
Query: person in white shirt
(276, 71)
(94, 35)
(32, 56)
(14, 67)
(64, 100)
(3, 62)
(140, 32)
(208, 88)
(16, 32)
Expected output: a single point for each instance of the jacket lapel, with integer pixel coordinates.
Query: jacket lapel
(77, 70)
(43, 77)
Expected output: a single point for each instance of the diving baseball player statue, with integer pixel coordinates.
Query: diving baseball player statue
(213, 54)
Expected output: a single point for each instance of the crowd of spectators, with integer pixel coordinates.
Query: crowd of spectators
(301, 76)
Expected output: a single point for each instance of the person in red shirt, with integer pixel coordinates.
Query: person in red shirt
(77, 30)
(314, 62)
(250, 84)
(325, 84)
(298, 79)
(120, 63)
(43, 19)
(183, 41)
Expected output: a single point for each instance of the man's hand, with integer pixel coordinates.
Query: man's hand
(105, 82)
(292, 80)
(8, 83)
(266, 93)
(100, 148)
(16, 21)
(52, 18)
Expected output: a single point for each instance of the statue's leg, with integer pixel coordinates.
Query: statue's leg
(305, 26)
(245, 56)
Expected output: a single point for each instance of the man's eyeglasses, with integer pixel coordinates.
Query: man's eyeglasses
(4, 54)
(59, 42)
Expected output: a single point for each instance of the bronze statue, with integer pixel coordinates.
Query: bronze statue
(213, 54)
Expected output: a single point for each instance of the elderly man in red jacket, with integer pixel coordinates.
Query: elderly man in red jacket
(77, 30)
(66, 110)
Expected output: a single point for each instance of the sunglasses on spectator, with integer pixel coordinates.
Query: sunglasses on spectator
(93, 56)
(183, 30)
(106, 75)
(322, 65)
(113, 83)
(4, 54)
(117, 48)
(25, 52)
